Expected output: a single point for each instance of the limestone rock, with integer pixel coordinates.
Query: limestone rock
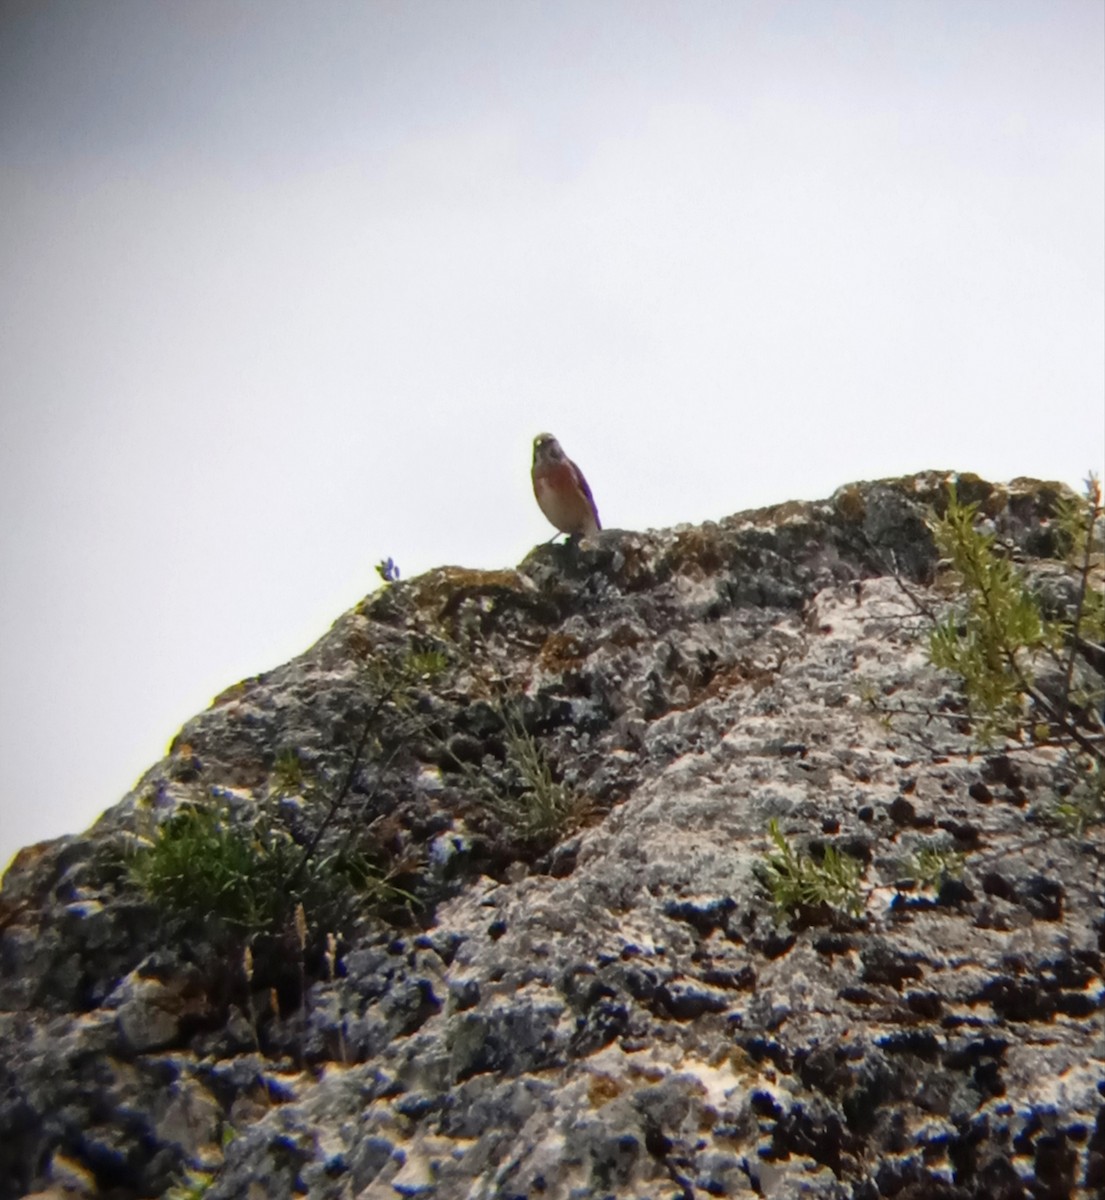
(619, 1012)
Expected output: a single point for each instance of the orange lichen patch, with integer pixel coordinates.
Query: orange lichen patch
(779, 514)
(1044, 494)
(931, 487)
(850, 504)
(741, 1062)
(11, 911)
(697, 552)
(444, 590)
(445, 579)
(972, 488)
(561, 652)
(726, 680)
(720, 1055)
(236, 691)
(176, 739)
(997, 501)
(183, 764)
(993, 499)
(602, 1089)
(624, 636)
(359, 640)
(652, 1071)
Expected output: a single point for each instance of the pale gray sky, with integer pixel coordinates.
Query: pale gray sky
(286, 288)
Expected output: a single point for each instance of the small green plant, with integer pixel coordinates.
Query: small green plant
(545, 809)
(204, 865)
(207, 869)
(932, 865)
(796, 880)
(1084, 805)
(194, 1186)
(419, 667)
(531, 804)
(288, 774)
(370, 880)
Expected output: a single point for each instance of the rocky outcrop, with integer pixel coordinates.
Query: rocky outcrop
(621, 1011)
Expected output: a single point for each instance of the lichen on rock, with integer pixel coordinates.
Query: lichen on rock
(614, 1008)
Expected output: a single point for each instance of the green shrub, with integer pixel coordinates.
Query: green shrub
(998, 639)
(1026, 674)
(934, 864)
(207, 869)
(991, 638)
(530, 804)
(246, 874)
(202, 866)
(798, 881)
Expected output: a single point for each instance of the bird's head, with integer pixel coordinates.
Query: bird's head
(546, 449)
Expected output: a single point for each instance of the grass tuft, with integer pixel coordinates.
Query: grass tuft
(798, 881)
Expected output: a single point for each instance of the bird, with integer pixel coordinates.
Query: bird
(562, 492)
